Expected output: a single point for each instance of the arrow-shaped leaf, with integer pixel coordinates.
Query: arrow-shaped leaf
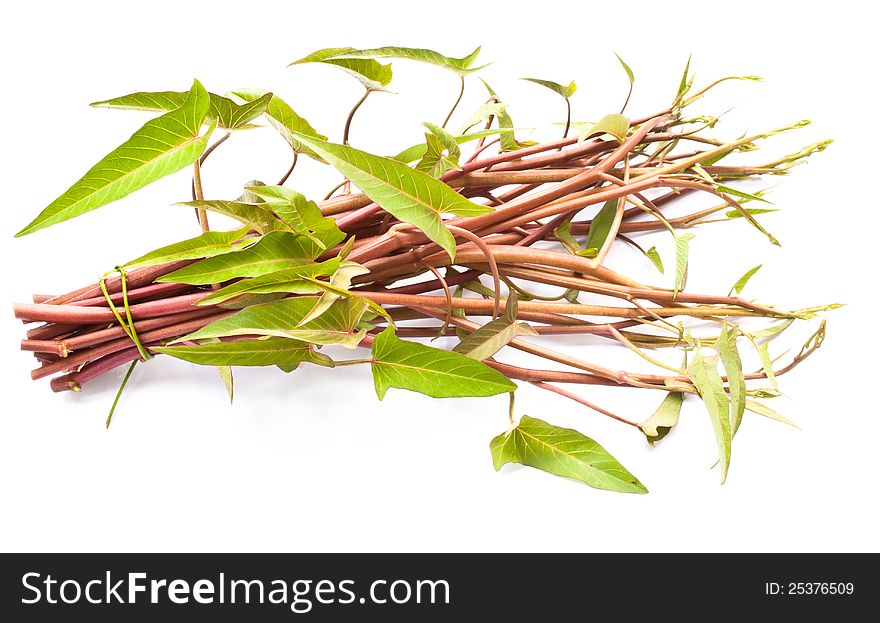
(727, 350)
(561, 89)
(767, 412)
(290, 280)
(415, 152)
(753, 211)
(338, 325)
(256, 216)
(726, 192)
(460, 66)
(284, 119)
(684, 85)
(508, 139)
(228, 114)
(236, 116)
(256, 352)
(600, 226)
(372, 74)
(630, 76)
(629, 72)
(206, 245)
(703, 372)
(228, 379)
(767, 364)
(774, 329)
(431, 371)
(441, 152)
(613, 124)
(274, 251)
(564, 452)
(491, 109)
(742, 281)
(682, 250)
(162, 146)
(301, 215)
(340, 281)
(411, 196)
(492, 337)
(495, 335)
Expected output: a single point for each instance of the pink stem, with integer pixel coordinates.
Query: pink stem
(67, 314)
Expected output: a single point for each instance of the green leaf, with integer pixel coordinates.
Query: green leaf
(411, 196)
(727, 350)
(256, 352)
(703, 372)
(431, 371)
(772, 330)
(727, 190)
(338, 325)
(484, 112)
(564, 452)
(630, 76)
(235, 116)
(564, 235)
(340, 281)
(663, 419)
(164, 145)
(746, 214)
(767, 363)
(563, 90)
(762, 409)
(614, 124)
(259, 217)
(682, 250)
(752, 211)
(289, 280)
(478, 134)
(629, 72)
(284, 119)
(460, 66)
(301, 215)
(149, 101)
(509, 141)
(590, 252)
(685, 83)
(372, 74)
(492, 337)
(654, 256)
(209, 244)
(375, 310)
(415, 152)
(411, 154)
(274, 251)
(449, 142)
(228, 114)
(246, 300)
(228, 380)
(742, 281)
(572, 296)
(346, 248)
(436, 160)
(601, 225)
(495, 335)
(441, 152)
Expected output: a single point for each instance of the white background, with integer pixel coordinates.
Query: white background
(313, 461)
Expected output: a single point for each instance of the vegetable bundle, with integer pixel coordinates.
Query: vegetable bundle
(476, 234)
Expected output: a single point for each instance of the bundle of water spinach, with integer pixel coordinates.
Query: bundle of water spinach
(474, 233)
